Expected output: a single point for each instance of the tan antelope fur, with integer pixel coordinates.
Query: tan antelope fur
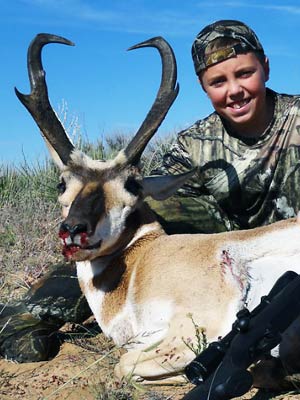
(146, 288)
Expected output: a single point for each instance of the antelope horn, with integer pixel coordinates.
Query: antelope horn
(165, 97)
(37, 102)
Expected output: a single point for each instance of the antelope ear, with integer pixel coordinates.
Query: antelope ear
(160, 187)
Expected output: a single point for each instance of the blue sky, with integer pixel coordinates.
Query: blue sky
(107, 90)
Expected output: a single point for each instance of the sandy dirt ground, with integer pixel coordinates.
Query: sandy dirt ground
(75, 373)
(81, 372)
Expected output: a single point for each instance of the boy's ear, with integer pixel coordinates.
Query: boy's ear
(267, 69)
(201, 83)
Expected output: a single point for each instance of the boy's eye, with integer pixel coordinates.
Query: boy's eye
(61, 187)
(246, 74)
(217, 82)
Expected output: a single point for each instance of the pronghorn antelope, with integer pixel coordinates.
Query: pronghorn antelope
(143, 285)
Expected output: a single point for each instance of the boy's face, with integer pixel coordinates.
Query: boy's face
(236, 88)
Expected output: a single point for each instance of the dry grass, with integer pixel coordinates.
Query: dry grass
(28, 225)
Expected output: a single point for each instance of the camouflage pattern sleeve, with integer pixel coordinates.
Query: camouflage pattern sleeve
(179, 159)
(190, 215)
(191, 210)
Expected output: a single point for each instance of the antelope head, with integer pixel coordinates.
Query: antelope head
(99, 199)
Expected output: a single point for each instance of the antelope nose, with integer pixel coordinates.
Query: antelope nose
(73, 230)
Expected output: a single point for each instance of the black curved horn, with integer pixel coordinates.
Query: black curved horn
(37, 102)
(165, 97)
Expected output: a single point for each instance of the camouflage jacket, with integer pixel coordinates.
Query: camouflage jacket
(239, 184)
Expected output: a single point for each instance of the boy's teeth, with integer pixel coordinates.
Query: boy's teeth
(239, 105)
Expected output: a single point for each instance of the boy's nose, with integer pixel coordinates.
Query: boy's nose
(234, 88)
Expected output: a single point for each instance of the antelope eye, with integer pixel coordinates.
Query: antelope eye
(61, 187)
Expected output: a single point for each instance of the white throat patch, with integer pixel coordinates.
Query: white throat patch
(112, 226)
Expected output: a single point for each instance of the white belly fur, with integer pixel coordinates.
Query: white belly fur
(134, 325)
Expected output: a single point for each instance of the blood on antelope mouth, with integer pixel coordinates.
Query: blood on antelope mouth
(70, 247)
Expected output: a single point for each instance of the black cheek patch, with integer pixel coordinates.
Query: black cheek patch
(133, 186)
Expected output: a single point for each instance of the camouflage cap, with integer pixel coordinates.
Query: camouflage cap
(246, 38)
